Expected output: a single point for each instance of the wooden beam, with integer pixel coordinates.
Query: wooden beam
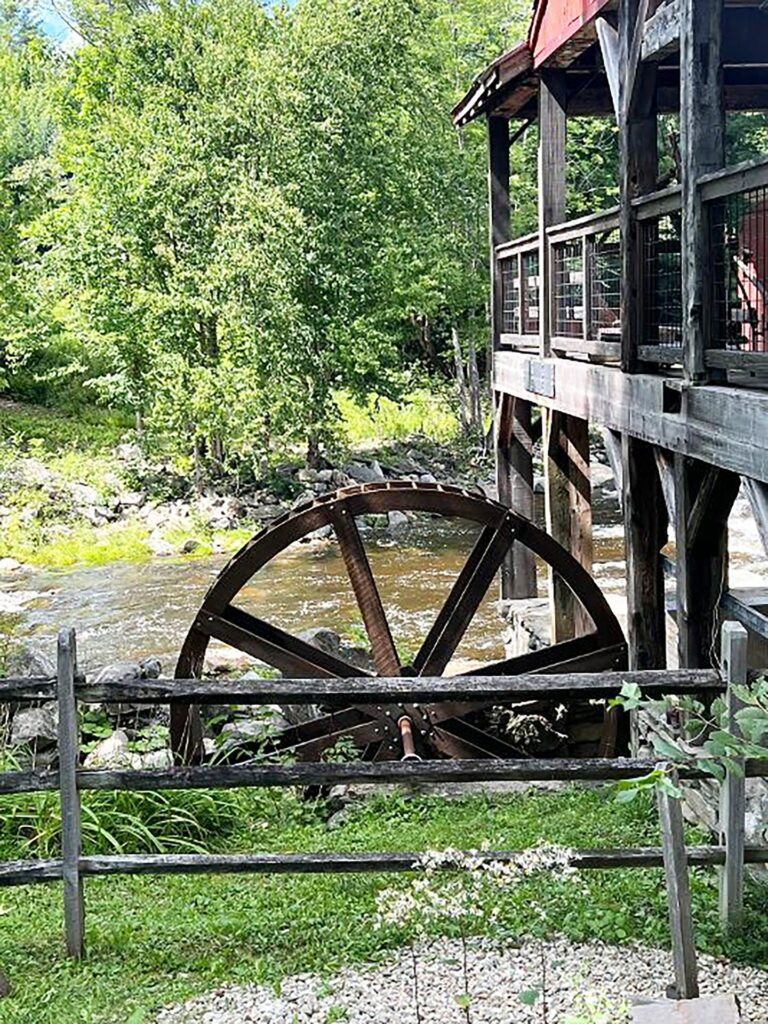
(69, 763)
(678, 895)
(552, 183)
(514, 483)
(757, 493)
(661, 34)
(702, 151)
(701, 559)
(645, 534)
(634, 18)
(727, 427)
(568, 500)
(608, 38)
(733, 655)
(498, 213)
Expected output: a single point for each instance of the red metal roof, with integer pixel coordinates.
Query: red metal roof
(556, 21)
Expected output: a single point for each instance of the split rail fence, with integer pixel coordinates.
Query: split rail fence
(70, 689)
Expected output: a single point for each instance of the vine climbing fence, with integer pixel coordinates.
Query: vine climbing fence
(70, 689)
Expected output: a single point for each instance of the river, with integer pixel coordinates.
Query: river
(124, 612)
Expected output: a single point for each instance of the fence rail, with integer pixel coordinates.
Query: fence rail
(70, 689)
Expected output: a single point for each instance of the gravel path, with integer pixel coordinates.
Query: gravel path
(384, 994)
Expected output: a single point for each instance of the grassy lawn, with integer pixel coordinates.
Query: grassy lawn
(155, 940)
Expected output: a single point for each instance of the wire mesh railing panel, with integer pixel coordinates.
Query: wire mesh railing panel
(510, 296)
(604, 273)
(531, 292)
(662, 284)
(739, 246)
(568, 278)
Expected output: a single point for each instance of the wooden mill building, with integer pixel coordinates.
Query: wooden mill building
(648, 321)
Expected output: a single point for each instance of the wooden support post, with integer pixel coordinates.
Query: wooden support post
(514, 480)
(645, 534)
(704, 496)
(568, 494)
(733, 656)
(678, 895)
(69, 758)
(638, 168)
(552, 186)
(702, 151)
(498, 212)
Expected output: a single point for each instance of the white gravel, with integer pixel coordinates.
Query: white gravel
(384, 994)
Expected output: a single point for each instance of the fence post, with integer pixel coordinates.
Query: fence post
(678, 895)
(69, 756)
(733, 657)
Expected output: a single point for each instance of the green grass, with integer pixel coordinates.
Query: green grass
(155, 940)
(422, 413)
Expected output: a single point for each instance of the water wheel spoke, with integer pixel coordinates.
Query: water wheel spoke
(366, 592)
(269, 643)
(312, 749)
(447, 743)
(582, 654)
(493, 746)
(317, 728)
(464, 599)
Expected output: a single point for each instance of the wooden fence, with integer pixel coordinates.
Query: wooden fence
(70, 689)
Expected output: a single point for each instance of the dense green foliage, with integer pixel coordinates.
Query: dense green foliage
(225, 212)
(153, 940)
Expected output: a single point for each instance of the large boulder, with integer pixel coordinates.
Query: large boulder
(113, 752)
(364, 474)
(36, 728)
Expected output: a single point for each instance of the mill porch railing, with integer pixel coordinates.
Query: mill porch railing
(581, 289)
(70, 690)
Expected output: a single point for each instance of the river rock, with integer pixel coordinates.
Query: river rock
(36, 727)
(159, 546)
(157, 760)
(29, 661)
(190, 544)
(363, 474)
(307, 475)
(84, 494)
(396, 520)
(113, 752)
(128, 672)
(325, 639)
(131, 499)
(8, 565)
(427, 478)
(303, 499)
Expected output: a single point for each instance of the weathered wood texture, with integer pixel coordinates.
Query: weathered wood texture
(702, 151)
(721, 425)
(645, 534)
(367, 690)
(514, 481)
(498, 213)
(661, 34)
(552, 184)
(568, 494)
(69, 760)
(638, 165)
(322, 773)
(678, 895)
(733, 656)
(704, 496)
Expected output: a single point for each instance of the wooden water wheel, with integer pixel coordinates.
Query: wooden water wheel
(385, 731)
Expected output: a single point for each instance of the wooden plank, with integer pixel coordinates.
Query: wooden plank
(645, 534)
(757, 493)
(678, 895)
(702, 150)
(568, 509)
(608, 38)
(661, 33)
(498, 213)
(733, 657)
(31, 872)
(464, 599)
(734, 179)
(269, 643)
(69, 762)
(722, 426)
(701, 559)
(552, 184)
(365, 590)
(364, 772)
(630, 59)
(514, 483)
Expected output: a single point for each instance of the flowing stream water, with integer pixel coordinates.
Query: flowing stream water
(125, 612)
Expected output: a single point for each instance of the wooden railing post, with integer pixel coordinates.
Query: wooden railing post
(69, 756)
(678, 895)
(733, 788)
